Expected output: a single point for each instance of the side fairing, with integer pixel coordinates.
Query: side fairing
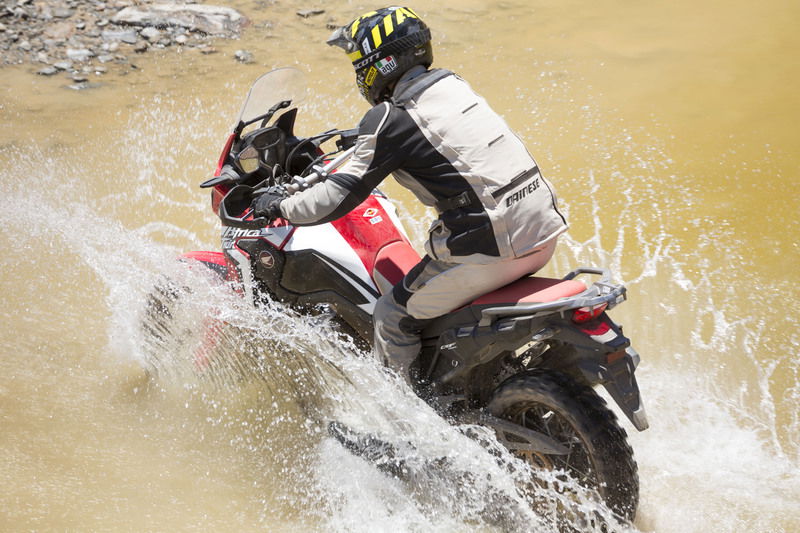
(330, 248)
(336, 259)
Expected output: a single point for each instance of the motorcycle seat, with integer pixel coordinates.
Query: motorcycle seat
(532, 289)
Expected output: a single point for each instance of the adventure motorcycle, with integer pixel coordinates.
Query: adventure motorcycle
(521, 360)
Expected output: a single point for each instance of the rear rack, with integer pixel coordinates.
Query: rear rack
(603, 291)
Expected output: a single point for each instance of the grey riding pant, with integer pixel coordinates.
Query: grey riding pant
(434, 288)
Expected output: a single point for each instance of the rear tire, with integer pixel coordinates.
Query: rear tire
(576, 416)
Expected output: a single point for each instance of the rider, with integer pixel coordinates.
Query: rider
(498, 218)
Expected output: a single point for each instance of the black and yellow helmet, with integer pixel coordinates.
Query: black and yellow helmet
(382, 45)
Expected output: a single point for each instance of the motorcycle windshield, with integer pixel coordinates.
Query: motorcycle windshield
(270, 89)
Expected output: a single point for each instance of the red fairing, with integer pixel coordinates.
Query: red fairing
(215, 261)
(212, 327)
(224, 154)
(216, 258)
(367, 229)
(394, 261)
(217, 194)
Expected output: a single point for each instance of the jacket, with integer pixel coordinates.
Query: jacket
(443, 142)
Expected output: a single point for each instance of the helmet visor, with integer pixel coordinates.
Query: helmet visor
(341, 39)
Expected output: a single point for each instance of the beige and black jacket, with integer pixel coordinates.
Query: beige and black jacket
(443, 142)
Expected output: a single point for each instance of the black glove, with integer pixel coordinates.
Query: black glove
(267, 205)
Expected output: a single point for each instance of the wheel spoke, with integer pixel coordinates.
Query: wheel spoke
(575, 462)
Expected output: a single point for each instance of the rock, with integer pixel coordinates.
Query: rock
(79, 78)
(125, 36)
(150, 33)
(47, 71)
(79, 54)
(213, 20)
(88, 33)
(58, 30)
(62, 13)
(305, 13)
(244, 56)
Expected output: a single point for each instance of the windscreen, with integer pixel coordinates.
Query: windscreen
(271, 88)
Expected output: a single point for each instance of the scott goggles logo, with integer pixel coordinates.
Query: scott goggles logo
(361, 63)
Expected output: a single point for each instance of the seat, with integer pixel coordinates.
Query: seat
(532, 290)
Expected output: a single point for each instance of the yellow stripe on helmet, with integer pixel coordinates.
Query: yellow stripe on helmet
(354, 26)
(387, 24)
(403, 13)
(376, 37)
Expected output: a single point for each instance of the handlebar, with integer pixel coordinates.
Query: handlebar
(300, 183)
(238, 199)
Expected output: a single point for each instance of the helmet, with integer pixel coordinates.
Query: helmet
(382, 45)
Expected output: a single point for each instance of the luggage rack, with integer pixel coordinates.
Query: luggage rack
(603, 291)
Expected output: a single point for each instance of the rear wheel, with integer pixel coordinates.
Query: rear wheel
(599, 456)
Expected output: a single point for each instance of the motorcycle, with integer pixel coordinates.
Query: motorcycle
(522, 360)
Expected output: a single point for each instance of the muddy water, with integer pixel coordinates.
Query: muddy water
(670, 133)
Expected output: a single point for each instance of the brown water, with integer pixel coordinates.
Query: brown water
(670, 132)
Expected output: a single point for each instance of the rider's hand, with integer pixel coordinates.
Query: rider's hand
(267, 205)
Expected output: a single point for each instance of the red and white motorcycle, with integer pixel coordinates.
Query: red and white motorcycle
(521, 360)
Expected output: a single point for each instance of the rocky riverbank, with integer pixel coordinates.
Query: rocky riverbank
(83, 38)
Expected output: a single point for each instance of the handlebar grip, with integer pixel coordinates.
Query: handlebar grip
(300, 183)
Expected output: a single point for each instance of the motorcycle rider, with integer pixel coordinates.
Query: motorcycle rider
(498, 217)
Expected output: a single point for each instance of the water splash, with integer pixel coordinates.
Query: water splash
(722, 449)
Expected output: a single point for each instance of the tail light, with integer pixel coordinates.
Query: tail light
(585, 314)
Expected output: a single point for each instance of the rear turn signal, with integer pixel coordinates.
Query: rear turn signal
(585, 314)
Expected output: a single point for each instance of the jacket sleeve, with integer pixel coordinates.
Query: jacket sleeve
(345, 189)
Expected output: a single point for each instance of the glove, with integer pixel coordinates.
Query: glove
(267, 205)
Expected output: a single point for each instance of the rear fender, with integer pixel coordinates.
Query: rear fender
(603, 356)
(616, 374)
